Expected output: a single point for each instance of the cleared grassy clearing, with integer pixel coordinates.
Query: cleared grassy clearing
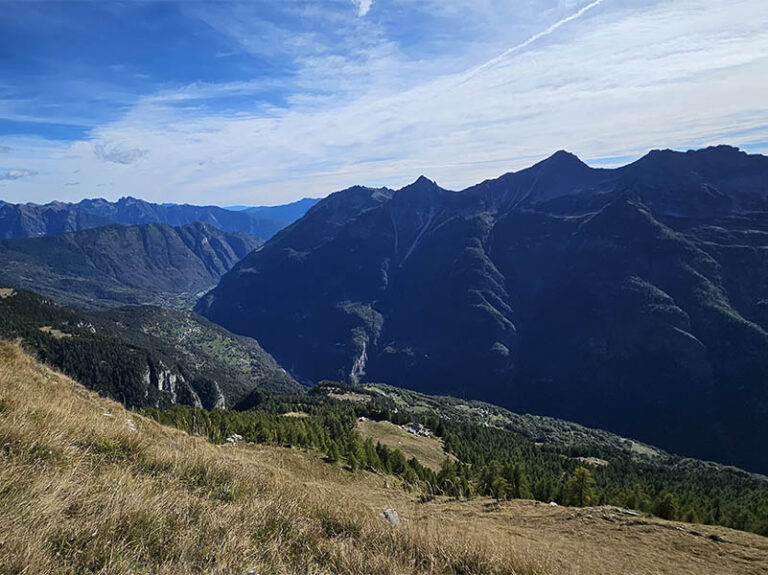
(428, 450)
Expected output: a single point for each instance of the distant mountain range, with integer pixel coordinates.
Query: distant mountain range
(633, 299)
(286, 213)
(119, 265)
(34, 220)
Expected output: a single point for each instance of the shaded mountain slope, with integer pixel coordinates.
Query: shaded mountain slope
(284, 214)
(631, 299)
(118, 265)
(143, 356)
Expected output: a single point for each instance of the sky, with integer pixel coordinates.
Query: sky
(265, 102)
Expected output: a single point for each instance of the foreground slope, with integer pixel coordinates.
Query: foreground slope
(119, 265)
(87, 487)
(631, 299)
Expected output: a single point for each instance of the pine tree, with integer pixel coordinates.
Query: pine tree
(665, 506)
(580, 488)
(499, 488)
(333, 452)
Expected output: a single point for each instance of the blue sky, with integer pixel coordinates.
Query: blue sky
(266, 102)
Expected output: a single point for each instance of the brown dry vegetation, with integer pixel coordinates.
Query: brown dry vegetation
(57, 333)
(80, 492)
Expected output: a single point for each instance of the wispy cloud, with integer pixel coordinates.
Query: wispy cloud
(538, 36)
(4, 149)
(617, 80)
(16, 174)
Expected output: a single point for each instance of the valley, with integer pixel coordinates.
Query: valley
(124, 265)
(383, 287)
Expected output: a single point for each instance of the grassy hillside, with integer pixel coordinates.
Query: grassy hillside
(87, 487)
(583, 468)
(81, 492)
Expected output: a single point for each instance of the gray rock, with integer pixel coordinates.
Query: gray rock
(391, 516)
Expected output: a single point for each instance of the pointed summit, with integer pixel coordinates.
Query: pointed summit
(564, 159)
(422, 183)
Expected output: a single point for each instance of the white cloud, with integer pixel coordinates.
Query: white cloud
(363, 6)
(16, 174)
(4, 149)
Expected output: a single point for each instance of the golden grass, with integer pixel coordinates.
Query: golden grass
(428, 450)
(57, 333)
(81, 492)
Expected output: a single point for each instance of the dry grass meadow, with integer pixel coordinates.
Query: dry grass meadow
(428, 450)
(87, 487)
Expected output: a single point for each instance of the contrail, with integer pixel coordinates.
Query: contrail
(532, 39)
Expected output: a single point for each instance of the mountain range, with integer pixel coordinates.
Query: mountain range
(633, 299)
(285, 213)
(119, 265)
(34, 220)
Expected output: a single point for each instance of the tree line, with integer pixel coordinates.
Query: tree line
(488, 461)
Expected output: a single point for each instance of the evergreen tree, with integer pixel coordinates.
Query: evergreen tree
(580, 488)
(665, 506)
(333, 452)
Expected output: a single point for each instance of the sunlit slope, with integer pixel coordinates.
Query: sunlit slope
(87, 487)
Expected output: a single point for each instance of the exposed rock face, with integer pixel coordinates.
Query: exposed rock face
(631, 299)
(220, 402)
(172, 386)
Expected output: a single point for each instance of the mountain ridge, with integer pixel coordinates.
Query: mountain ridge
(560, 289)
(36, 220)
(118, 265)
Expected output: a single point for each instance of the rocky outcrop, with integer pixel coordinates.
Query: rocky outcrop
(172, 386)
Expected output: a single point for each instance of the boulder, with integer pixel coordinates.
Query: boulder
(391, 516)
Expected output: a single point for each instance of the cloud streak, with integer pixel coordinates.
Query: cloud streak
(16, 174)
(538, 36)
